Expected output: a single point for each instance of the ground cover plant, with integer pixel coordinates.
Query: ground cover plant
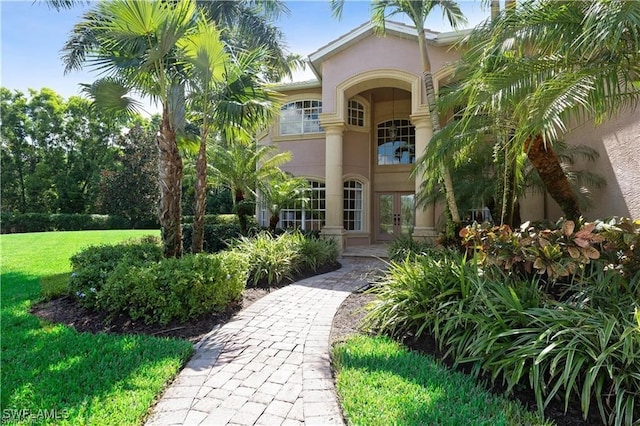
(381, 382)
(108, 379)
(556, 311)
(275, 260)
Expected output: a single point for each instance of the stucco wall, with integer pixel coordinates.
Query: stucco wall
(374, 53)
(355, 154)
(618, 143)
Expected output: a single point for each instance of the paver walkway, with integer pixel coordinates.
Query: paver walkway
(270, 364)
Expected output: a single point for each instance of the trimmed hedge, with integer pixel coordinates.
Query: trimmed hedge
(11, 223)
(92, 266)
(174, 289)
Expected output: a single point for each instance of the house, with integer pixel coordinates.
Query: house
(356, 130)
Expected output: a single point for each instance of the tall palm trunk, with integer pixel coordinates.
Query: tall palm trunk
(435, 122)
(546, 162)
(200, 204)
(241, 211)
(170, 178)
(495, 9)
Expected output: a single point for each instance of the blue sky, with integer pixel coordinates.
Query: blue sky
(33, 34)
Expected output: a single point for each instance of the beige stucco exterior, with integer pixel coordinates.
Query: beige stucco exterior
(383, 74)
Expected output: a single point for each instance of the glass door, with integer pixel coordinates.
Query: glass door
(395, 215)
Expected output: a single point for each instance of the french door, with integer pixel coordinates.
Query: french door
(395, 215)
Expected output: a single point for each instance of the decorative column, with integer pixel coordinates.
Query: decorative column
(334, 187)
(425, 216)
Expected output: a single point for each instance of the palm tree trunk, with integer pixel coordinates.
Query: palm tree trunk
(200, 207)
(546, 162)
(495, 9)
(273, 222)
(435, 122)
(170, 178)
(239, 207)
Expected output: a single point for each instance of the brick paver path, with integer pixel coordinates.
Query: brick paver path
(270, 364)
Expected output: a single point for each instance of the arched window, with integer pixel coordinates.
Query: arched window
(396, 142)
(353, 205)
(299, 117)
(355, 114)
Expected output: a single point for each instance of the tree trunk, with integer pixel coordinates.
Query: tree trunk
(273, 222)
(170, 179)
(200, 207)
(435, 123)
(239, 206)
(495, 9)
(546, 162)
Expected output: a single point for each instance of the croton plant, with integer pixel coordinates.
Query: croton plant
(557, 250)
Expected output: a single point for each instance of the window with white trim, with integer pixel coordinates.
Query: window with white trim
(396, 142)
(355, 114)
(353, 205)
(297, 216)
(300, 117)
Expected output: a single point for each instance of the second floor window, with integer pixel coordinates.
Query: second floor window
(299, 117)
(396, 143)
(356, 113)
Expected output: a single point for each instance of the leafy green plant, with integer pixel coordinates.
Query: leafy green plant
(404, 246)
(271, 260)
(174, 289)
(317, 252)
(557, 253)
(410, 295)
(274, 260)
(93, 265)
(585, 347)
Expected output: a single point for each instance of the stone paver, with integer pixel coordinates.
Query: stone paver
(270, 363)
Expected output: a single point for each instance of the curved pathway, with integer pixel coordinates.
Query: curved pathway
(269, 365)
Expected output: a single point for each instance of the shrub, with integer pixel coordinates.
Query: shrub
(92, 266)
(45, 222)
(216, 236)
(561, 253)
(410, 294)
(585, 347)
(404, 246)
(271, 260)
(317, 252)
(174, 289)
(274, 260)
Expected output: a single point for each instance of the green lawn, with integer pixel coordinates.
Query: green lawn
(51, 370)
(382, 383)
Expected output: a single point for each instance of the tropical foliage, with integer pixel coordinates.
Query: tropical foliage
(243, 166)
(526, 76)
(554, 309)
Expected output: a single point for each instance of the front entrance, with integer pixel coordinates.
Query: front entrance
(395, 215)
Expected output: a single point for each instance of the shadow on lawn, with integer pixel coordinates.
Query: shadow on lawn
(47, 367)
(435, 395)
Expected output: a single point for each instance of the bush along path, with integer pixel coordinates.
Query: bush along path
(270, 364)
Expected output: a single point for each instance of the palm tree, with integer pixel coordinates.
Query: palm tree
(543, 64)
(243, 166)
(418, 11)
(246, 25)
(241, 105)
(140, 46)
(282, 191)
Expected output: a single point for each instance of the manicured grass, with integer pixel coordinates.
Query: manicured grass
(85, 378)
(382, 383)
